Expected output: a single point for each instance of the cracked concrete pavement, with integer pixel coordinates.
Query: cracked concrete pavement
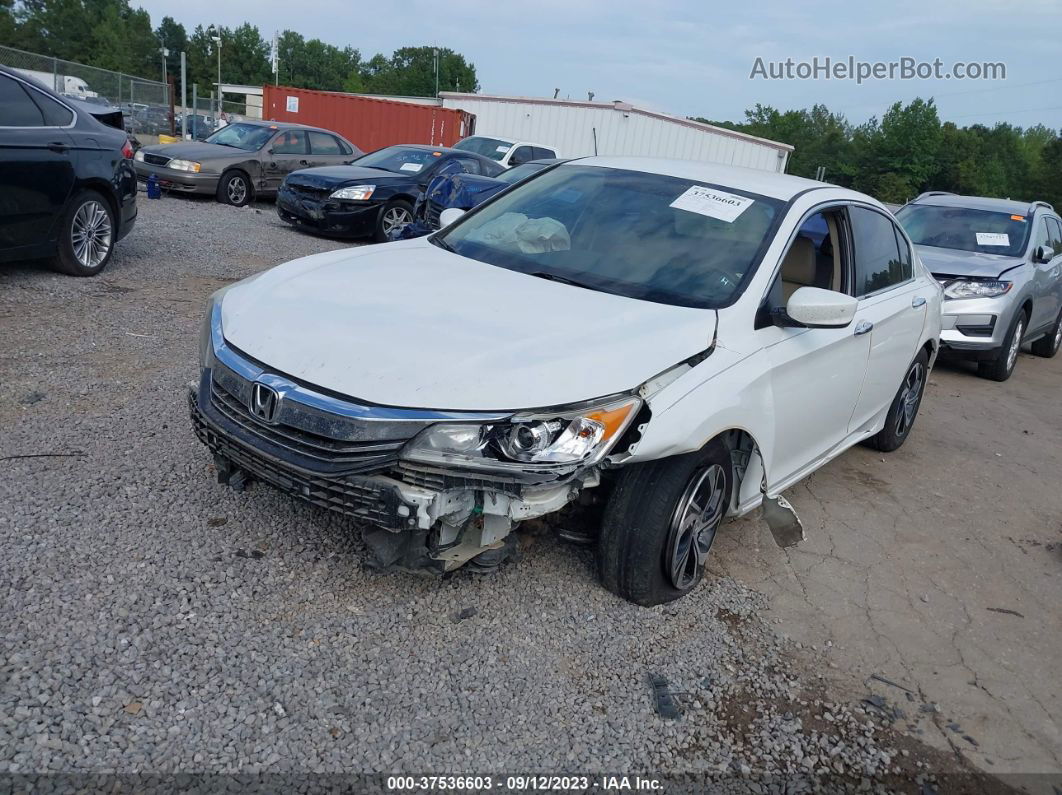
(939, 568)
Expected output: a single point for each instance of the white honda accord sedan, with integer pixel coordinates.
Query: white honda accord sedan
(674, 342)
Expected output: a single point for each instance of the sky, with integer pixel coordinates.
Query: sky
(695, 57)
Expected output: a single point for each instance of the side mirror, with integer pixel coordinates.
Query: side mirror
(1044, 253)
(817, 308)
(449, 215)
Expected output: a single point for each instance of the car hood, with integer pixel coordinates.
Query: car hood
(197, 150)
(951, 262)
(339, 176)
(409, 324)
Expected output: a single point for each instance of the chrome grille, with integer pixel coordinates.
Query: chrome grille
(337, 454)
(156, 160)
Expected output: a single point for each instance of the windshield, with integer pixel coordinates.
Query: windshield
(494, 148)
(514, 175)
(646, 236)
(401, 159)
(249, 137)
(964, 229)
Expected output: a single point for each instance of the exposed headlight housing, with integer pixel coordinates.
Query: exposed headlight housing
(354, 192)
(963, 288)
(185, 165)
(139, 156)
(565, 437)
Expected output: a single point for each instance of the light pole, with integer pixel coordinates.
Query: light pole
(216, 38)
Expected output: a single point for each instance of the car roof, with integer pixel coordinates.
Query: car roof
(977, 203)
(284, 125)
(753, 180)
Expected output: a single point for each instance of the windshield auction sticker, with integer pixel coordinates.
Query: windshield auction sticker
(712, 203)
(992, 239)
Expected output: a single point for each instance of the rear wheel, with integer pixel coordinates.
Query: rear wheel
(1048, 345)
(660, 524)
(393, 216)
(235, 189)
(1002, 367)
(904, 408)
(86, 240)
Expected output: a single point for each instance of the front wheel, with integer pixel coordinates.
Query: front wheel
(392, 218)
(86, 239)
(660, 523)
(1002, 367)
(235, 189)
(904, 408)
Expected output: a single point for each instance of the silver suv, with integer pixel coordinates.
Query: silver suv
(1000, 263)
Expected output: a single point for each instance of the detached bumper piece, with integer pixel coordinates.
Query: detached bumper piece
(361, 498)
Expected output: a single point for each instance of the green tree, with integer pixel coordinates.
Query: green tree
(172, 35)
(410, 71)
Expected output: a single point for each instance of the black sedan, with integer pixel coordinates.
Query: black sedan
(67, 185)
(375, 195)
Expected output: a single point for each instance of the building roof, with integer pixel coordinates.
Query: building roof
(624, 107)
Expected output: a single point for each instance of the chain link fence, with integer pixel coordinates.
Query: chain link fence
(145, 103)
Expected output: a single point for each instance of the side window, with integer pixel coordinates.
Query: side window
(522, 155)
(490, 168)
(290, 142)
(544, 154)
(1041, 238)
(323, 144)
(906, 268)
(468, 165)
(16, 108)
(877, 257)
(344, 147)
(814, 259)
(1054, 228)
(55, 115)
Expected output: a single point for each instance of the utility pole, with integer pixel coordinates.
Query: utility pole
(184, 96)
(436, 72)
(216, 38)
(165, 55)
(274, 54)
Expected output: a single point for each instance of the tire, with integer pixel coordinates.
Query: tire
(1002, 367)
(1047, 346)
(87, 235)
(235, 189)
(647, 524)
(904, 408)
(395, 213)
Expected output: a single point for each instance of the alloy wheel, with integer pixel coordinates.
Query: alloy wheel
(236, 190)
(91, 234)
(693, 526)
(1058, 333)
(910, 395)
(395, 218)
(1015, 345)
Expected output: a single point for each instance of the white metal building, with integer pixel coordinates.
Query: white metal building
(578, 129)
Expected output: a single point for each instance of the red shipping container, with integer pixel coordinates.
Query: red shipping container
(365, 121)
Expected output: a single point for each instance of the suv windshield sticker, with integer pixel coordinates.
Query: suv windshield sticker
(993, 239)
(502, 149)
(411, 166)
(712, 203)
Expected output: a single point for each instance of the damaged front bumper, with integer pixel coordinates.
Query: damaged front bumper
(345, 457)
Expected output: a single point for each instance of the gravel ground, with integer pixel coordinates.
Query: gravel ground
(154, 621)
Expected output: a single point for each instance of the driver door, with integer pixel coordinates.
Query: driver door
(287, 152)
(816, 374)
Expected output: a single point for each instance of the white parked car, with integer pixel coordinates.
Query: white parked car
(678, 341)
(507, 151)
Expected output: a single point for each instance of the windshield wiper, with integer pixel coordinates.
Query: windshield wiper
(438, 241)
(553, 277)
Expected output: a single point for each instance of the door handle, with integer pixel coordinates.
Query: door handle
(863, 326)
(58, 146)
(918, 301)
(304, 163)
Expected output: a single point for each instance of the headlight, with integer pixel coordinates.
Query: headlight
(565, 437)
(972, 289)
(355, 192)
(184, 165)
(139, 156)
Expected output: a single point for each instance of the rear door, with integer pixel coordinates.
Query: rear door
(892, 308)
(326, 149)
(288, 151)
(1054, 233)
(1045, 280)
(37, 167)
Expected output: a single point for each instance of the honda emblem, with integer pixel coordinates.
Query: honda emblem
(264, 402)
